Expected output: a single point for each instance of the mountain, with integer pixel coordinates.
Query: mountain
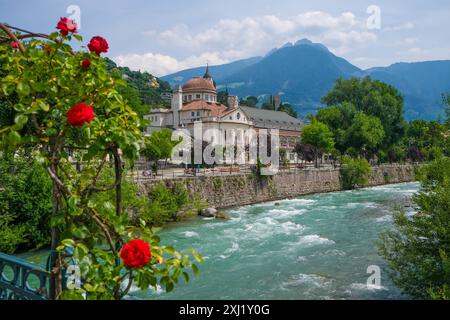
(219, 72)
(303, 72)
(421, 83)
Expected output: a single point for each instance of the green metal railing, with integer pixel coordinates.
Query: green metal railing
(22, 280)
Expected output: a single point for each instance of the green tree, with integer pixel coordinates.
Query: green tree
(417, 250)
(149, 88)
(131, 95)
(287, 107)
(338, 119)
(318, 135)
(269, 104)
(374, 98)
(222, 97)
(250, 101)
(354, 172)
(431, 137)
(446, 101)
(159, 146)
(365, 134)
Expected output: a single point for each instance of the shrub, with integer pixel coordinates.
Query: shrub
(354, 172)
(25, 204)
(133, 203)
(417, 249)
(165, 203)
(10, 235)
(433, 153)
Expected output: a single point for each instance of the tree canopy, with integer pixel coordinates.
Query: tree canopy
(320, 136)
(159, 146)
(374, 98)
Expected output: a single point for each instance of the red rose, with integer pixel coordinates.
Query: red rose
(136, 254)
(86, 63)
(66, 26)
(79, 114)
(15, 45)
(98, 45)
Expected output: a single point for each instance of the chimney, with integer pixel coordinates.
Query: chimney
(177, 105)
(233, 102)
(277, 102)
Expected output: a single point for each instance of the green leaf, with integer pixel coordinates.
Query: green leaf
(197, 256)
(13, 138)
(78, 37)
(51, 132)
(186, 276)
(169, 250)
(23, 89)
(195, 269)
(21, 120)
(73, 202)
(88, 287)
(68, 242)
(93, 150)
(44, 106)
(83, 248)
(156, 239)
(39, 104)
(169, 286)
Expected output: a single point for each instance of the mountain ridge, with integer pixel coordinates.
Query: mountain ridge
(303, 72)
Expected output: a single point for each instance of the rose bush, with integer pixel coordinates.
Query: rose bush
(50, 97)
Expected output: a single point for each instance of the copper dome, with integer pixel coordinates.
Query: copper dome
(200, 85)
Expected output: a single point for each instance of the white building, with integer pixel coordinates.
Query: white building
(196, 101)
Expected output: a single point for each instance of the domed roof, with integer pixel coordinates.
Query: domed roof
(199, 85)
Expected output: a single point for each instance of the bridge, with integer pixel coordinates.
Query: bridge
(22, 280)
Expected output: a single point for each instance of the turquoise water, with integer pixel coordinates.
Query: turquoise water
(313, 247)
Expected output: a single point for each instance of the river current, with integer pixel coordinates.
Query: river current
(311, 247)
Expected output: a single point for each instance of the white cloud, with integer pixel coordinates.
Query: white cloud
(405, 26)
(406, 42)
(421, 54)
(232, 39)
(159, 65)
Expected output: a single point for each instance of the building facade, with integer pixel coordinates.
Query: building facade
(196, 102)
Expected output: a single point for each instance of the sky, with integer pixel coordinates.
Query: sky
(166, 36)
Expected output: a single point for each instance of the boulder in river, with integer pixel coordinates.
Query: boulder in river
(222, 216)
(208, 212)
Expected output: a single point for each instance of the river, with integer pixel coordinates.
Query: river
(311, 247)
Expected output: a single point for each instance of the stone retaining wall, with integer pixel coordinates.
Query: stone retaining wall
(238, 190)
